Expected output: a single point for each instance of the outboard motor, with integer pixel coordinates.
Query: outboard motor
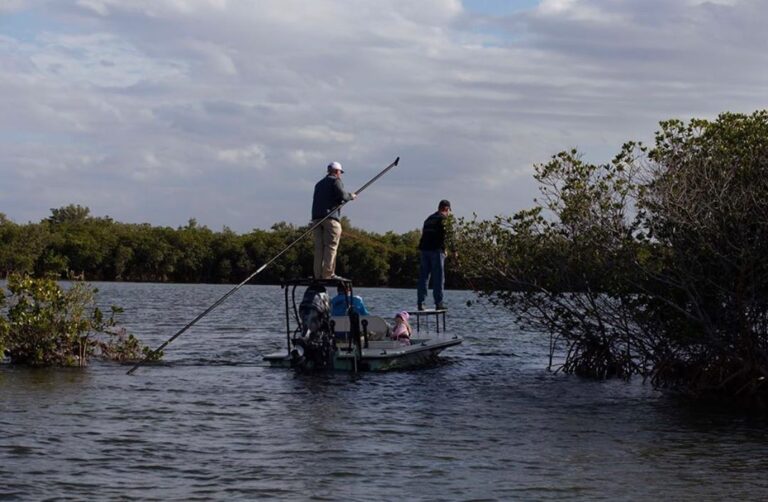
(313, 346)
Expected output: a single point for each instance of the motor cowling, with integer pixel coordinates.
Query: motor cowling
(314, 344)
(314, 310)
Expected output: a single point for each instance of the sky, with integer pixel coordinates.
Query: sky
(229, 111)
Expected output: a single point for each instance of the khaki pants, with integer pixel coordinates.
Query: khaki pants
(326, 236)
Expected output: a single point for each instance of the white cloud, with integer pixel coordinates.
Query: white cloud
(12, 5)
(251, 156)
(322, 134)
(576, 10)
(99, 59)
(556, 6)
(98, 6)
(217, 58)
(148, 101)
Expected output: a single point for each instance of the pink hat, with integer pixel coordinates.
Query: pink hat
(404, 315)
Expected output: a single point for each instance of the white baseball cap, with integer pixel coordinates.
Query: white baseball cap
(335, 166)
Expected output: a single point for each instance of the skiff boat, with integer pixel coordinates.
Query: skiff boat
(315, 340)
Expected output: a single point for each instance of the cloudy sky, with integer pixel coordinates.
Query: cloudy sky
(228, 111)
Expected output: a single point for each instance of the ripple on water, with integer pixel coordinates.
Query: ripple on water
(487, 423)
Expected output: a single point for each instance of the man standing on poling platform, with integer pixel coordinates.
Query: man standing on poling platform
(432, 247)
(329, 195)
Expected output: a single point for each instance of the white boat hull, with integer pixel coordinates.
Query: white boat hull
(383, 355)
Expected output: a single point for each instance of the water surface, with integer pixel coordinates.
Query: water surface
(489, 423)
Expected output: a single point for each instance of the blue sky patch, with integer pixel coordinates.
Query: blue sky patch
(498, 7)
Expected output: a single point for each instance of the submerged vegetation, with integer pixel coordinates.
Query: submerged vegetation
(654, 264)
(47, 325)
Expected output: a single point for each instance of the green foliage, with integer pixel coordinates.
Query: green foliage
(707, 208)
(21, 246)
(123, 347)
(69, 214)
(564, 267)
(404, 260)
(363, 257)
(653, 264)
(72, 243)
(3, 327)
(47, 325)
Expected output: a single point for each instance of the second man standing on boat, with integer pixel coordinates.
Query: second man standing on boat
(432, 248)
(329, 195)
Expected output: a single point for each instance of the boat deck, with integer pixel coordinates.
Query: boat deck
(381, 355)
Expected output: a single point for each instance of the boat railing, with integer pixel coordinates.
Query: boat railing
(375, 327)
(425, 316)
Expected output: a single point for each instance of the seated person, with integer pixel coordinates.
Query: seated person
(339, 303)
(402, 330)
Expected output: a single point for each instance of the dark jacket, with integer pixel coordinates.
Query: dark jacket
(433, 233)
(329, 193)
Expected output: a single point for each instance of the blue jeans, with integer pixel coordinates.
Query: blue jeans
(432, 263)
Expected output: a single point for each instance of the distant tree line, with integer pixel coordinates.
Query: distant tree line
(653, 264)
(73, 243)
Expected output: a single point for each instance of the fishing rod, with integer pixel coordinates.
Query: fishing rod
(258, 271)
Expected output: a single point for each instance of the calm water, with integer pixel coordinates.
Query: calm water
(213, 422)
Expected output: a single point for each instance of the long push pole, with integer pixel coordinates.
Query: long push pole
(258, 271)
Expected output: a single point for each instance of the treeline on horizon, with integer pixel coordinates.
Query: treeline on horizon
(71, 243)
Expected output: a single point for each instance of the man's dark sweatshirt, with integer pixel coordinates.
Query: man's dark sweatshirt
(329, 193)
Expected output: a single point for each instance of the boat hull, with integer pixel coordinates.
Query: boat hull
(381, 355)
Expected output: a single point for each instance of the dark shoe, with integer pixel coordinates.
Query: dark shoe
(421, 306)
(441, 306)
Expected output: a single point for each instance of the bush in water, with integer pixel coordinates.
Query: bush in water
(3, 326)
(654, 264)
(47, 325)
